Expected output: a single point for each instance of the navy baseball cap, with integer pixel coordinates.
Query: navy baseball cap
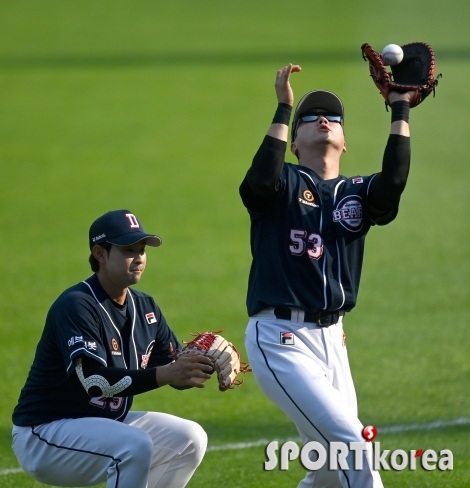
(122, 228)
(316, 99)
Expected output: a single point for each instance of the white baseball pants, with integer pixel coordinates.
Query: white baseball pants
(308, 376)
(147, 450)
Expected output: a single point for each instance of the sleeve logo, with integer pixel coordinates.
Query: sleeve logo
(74, 340)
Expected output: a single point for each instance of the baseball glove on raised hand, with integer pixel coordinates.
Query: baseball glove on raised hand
(416, 72)
(224, 354)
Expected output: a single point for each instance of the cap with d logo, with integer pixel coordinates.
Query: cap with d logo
(122, 228)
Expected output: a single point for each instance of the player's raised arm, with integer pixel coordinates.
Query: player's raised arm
(413, 79)
(388, 185)
(263, 176)
(400, 112)
(285, 98)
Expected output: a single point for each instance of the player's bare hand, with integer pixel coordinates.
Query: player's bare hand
(394, 96)
(283, 89)
(187, 370)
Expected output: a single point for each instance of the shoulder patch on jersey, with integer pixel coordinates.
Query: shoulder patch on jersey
(307, 199)
(74, 340)
(358, 179)
(349, 213)
(151, 319)
(91, 345)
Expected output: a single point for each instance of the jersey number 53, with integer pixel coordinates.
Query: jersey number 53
(301, 240)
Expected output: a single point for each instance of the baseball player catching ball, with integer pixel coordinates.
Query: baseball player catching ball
(102, 343)
(308, 226)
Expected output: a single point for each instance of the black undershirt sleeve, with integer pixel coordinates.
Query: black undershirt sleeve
(142, 379)
(387, 187)
(262, 179)
(263, 176)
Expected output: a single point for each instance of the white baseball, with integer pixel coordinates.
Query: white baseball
(392, 54)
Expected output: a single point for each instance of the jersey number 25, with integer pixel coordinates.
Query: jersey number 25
(113, 403)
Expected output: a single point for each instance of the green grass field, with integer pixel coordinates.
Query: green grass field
(159, 108)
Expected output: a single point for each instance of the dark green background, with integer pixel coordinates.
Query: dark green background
(159, 108)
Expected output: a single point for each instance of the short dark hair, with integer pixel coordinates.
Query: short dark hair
(94, 263)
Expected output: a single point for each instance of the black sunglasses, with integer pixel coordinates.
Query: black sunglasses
(315, 117)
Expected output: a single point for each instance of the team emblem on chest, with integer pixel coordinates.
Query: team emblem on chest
(348, 213)
(308, 198)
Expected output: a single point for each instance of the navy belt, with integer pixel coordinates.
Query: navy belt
(322, 319)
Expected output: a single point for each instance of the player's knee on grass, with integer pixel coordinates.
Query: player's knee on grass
(196, 440)
(199, 438)
(138, 451)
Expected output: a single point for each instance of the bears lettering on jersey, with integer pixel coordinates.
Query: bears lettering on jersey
(349, 213)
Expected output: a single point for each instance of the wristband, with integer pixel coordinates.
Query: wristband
(282, 115)
(400, 111)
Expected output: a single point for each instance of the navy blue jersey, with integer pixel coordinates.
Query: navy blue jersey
(307, 241)
(85, 321)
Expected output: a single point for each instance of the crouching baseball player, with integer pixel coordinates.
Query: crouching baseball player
(102, 343)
